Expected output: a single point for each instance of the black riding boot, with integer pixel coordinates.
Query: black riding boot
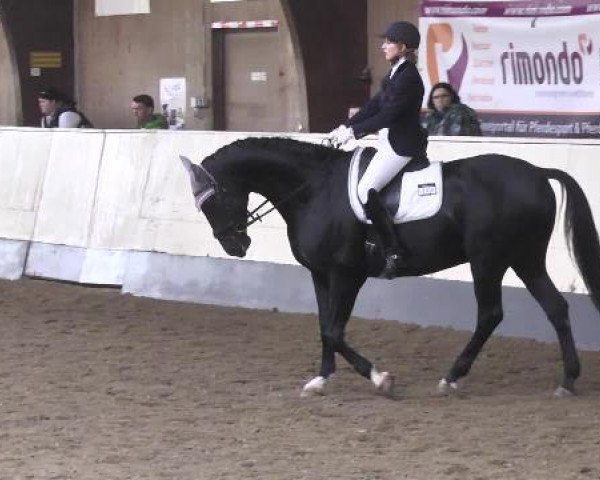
(384, 226)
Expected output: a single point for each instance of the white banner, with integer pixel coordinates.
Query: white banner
(529, 68)
(507, 65)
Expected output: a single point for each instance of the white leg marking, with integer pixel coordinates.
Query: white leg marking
(383, 381)
(562, 392)
(377, 378)
(445, 388)
(315, 387)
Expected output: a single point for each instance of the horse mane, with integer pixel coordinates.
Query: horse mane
(300, 151)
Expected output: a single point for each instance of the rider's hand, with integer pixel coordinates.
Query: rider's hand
(333, 134)
(341, 135)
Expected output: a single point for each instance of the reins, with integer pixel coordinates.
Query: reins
(253, 217)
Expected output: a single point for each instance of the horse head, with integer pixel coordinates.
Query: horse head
(224, 206)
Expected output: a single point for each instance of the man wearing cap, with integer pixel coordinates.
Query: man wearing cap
(58, 110)
(394, 114)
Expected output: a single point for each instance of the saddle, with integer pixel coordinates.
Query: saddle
(415, 193)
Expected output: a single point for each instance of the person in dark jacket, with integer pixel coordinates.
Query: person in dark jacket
(58, 110)
(449, 116)
(394, 114)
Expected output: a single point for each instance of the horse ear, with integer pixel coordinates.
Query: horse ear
(192, 170)
(187, 164)
(201, 180)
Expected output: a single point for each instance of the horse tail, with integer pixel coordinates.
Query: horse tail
(580, 232)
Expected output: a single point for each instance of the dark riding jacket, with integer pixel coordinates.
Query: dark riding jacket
(396, 106)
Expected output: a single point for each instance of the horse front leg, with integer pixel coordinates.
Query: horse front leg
(336, 295)
(316, 386)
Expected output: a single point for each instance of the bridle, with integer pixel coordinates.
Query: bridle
(213, 189)
(254, 216)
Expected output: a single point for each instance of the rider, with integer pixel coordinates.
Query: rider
(394, 113)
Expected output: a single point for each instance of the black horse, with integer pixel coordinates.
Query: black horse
(497, 212)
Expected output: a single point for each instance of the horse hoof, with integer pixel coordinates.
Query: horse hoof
(562, 392)
(387, 384)
(446, 388)
(314, 388)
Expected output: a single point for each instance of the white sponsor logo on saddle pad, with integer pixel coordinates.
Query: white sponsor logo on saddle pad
(420, 194)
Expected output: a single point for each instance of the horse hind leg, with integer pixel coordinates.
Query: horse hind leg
(556, 308)
(488, 292)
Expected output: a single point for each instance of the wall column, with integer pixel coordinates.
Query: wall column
(10, 93)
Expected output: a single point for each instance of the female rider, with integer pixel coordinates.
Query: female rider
(394, 113)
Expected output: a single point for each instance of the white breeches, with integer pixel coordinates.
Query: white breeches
(385, 165)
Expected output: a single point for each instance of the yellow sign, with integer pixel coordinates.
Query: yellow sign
(45, 59)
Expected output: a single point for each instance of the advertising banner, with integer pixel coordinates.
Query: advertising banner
(527, 70)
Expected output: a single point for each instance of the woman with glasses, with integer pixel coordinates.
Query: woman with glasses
(448, 115)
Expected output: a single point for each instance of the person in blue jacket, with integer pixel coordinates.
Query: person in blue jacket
(393, 113)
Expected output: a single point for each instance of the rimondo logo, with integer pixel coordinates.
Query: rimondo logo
(441, 35)
(565, 66)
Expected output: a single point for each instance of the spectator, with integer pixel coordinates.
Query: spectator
(58, 110)
(142, 107)
(448, 115)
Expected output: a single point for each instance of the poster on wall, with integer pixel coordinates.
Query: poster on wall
(172, 101)
(529, 69)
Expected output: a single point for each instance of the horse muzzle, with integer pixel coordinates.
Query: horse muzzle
(235, 244)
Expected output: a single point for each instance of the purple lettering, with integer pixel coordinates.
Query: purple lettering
(541, 68)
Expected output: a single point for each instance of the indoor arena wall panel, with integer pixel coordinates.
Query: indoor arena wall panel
(66, 206)
(23, 161)
(115, 207)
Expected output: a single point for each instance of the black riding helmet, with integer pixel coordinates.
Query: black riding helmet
(403, 32)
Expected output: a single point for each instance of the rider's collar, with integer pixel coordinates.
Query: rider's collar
(396, 65)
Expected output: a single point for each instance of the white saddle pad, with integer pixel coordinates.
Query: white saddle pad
(420, 193)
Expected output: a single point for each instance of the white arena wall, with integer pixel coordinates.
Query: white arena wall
(113, 207)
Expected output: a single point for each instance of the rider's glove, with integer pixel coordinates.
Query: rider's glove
(334, 133)
(341, 135)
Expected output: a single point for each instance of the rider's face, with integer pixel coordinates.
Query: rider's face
(392, 50)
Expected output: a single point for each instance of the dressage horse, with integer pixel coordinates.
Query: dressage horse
(497, 213)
